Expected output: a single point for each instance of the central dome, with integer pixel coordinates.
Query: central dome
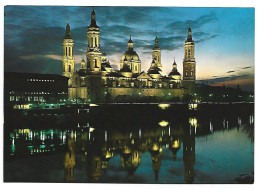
(130, 55)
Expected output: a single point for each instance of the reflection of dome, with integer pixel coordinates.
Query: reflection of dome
(106, 156)
(126, 150)
(130, 162)
(175, 146)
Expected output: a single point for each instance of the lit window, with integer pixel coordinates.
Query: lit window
(11, 98)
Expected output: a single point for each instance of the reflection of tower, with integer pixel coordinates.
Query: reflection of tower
(189, 155)
(93, 51)
(130, 161)
(69, 163)
(189, 64)
(93, 164)
(175, 146)
(156, 153)
(106, 156)
(68, 59)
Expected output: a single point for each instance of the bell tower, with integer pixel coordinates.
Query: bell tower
(189, 63)
(93, 50)
(68, 59)
(156, 54)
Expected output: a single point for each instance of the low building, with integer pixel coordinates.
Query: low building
(33, 88)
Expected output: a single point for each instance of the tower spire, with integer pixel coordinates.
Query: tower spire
(93, 19)
(189, 37)
(68, 34)
(156, 42)
(130, 45)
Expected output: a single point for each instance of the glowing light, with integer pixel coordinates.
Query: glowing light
(176, 144)
(164, 106)
(211, 126)
(93, 105)
(193, 122)
(105, 135)
(91, 129)
(24, 131)
(193, 106)
(163, 123)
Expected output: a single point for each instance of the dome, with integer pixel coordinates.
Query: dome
(130, 55)
(153, 71)
(174, 72)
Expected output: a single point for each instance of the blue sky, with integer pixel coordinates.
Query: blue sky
(224, 38)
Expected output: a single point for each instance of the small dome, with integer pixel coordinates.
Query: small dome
(175, 72)
(153, 71)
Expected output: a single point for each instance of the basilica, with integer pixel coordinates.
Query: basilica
(96, 80)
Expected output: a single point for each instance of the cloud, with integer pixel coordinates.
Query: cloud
(246, 67)
(231, 71)
(36, 57)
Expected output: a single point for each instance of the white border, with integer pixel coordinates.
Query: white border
(182, 3)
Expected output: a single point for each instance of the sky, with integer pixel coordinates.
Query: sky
(224, 38)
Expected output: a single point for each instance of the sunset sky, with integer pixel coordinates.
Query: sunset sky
(224, 38)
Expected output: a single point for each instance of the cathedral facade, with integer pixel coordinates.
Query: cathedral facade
(96, 81)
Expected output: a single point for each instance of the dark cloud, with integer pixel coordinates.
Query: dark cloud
(223, 79)
(231, 71)
(37, 31)
(246, 67)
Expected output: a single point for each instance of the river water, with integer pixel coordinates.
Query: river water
(132, 144)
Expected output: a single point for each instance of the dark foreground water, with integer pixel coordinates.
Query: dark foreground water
(132, 144)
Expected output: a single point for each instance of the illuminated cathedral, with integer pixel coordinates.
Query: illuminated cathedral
(97, 81)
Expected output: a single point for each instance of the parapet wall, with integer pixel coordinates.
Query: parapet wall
(161, 93)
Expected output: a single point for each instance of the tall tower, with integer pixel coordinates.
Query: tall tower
(93, 51)
(189, 64)
(68, 59)
(156, 55)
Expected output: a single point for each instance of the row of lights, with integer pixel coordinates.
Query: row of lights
(44, 80)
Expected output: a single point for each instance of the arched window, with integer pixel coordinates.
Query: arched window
(66, 51)
(69, 68)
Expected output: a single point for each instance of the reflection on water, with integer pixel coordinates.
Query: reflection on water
(171, 152)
